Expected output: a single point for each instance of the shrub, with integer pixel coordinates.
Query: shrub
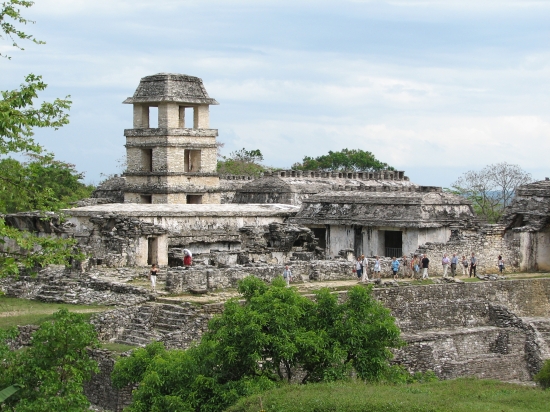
(543, 377)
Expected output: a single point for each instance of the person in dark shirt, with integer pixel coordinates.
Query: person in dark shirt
(425, 263)
(473, 265)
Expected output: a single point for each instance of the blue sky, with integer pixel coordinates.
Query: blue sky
(431, 87)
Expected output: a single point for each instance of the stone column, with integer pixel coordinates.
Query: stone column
(141, 116)
(201, 117)
(169, 115)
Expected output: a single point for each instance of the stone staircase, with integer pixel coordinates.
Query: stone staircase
(177, 325)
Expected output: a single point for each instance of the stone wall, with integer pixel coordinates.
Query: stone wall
(487, 243)
(494, 329)
(58, 284)
(99, 389)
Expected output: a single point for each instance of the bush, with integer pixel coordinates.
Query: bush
(543, 377)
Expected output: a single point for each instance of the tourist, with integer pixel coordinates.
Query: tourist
(425, 264)
(153, 276)
(415, 266)
(500, 264)
(445, 262)
(473, 265)
(464, 265)
(365, 263)
(454, 263)
(359, 268)
(394, 267)
(187, 257)
(405, 266)
(376, 268)
(287, 275)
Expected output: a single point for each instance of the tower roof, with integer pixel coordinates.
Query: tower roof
(170, 87)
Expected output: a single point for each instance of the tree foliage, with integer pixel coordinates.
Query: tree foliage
(38, 184)
(346, 159)
(242, 162)
(262, 343)
(42, 183)
(491, 189)
(10, 16)
(53, 368)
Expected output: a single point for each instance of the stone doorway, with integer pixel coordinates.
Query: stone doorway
(393, 243)
(152, 250)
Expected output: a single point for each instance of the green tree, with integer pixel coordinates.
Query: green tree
(242, 162)
(42, 183)
(263, 342)
(491, 189)
(20, 114)
(346, 159)
(53, 368)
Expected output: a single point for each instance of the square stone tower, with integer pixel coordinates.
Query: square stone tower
(173, 163)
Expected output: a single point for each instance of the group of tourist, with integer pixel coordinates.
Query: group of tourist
(417, 267)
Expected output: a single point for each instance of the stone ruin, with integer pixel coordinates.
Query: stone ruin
(170, 198)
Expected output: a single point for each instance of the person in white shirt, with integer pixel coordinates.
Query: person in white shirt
(287, 275)
(365, 263)
(445, 262)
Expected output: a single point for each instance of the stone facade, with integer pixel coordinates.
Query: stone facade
(487, 243)
(527, 222)
(172, 163)
(384, 220)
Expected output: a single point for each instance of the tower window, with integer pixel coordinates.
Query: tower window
(194, 199)
(147, 160)
(192, 161)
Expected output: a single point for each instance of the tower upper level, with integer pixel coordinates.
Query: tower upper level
(171, 93)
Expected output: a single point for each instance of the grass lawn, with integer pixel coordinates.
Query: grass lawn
(459, 395)
(117, 347)
(14, 311)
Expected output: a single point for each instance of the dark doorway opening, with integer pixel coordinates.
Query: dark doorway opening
(358, 241)
(152, 250)
(194, 199)
(393, 243)
(320, 234)
(146, 199)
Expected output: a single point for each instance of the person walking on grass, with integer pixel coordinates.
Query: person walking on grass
(376, 268)
(153, 276)
(425, 265)
(365, 263)
(500, 264)
(394, 267)
(454, 263)
(287, 275)
(464, 266)
(473, 265)
(415, 267)
(445, 262)
(359, 268)
(405, 266)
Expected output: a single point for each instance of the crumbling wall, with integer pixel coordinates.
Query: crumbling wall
(116, 240)
(492, 330)
(487, 243)
(58, 284)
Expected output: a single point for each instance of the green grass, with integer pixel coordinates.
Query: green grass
(117, 347)
(14, 311)
(459, 395)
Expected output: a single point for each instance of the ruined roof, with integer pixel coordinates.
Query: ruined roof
(530, 209)
(188, 210)
(170, 87)
(272, 187)
(422, 209)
